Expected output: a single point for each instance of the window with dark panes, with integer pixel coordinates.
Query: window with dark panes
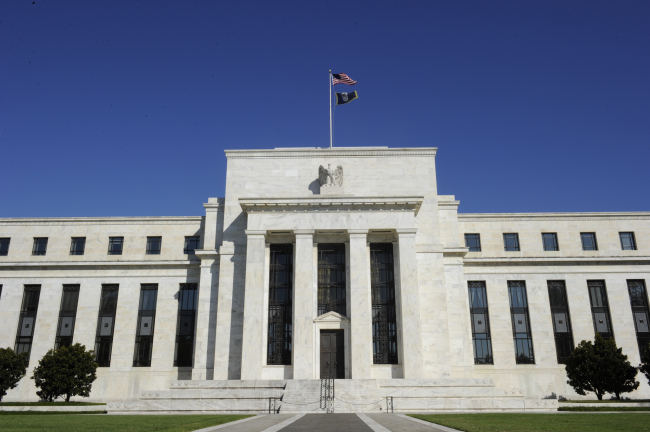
(106, 324)
(600, 308)
(4, 246)
(145, 325)
(67, 316)
(77, 245)
(191, 244)
(640, 312)
(40, 246)
(27, 319)
(184, 351)
(384, 317)
(154, 245)
(473, 242)
(561, 320)
(589, 241)
(480, 321)
(628, 241)
(511, 242)
(331, 278)
(280, 305)
(521, 323)
(115, 245)
(550, 241)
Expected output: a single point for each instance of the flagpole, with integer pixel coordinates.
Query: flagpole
(330, 78)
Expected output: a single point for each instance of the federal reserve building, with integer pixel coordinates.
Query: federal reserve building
(327, 279)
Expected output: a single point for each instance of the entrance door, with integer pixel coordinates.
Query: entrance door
(332, 359)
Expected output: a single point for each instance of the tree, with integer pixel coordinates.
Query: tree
(601, 368)
(645, 363)
(12, 369)
(67, 371)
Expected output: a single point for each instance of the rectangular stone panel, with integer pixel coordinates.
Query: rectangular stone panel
(146, 324)
(27, 327)
(106, 326)
(520, 323)
(641, 322)
(66, 326)
(560, 323)
(601, 322)
(479, 323)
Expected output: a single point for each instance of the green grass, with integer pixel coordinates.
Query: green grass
(541, 422)
(599, 408)
(49, 403)
(5, 413)
(607, 401)
(122, 423)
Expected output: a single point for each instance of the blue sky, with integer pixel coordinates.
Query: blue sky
(124, 108)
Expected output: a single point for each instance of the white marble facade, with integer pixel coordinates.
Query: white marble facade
(387, 195)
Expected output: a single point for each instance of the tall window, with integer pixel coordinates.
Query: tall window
(521, 323)
(589, 241)
(511, 242)
(561, 320)
(40, 246)
(115, 245)
(473, 242)
(4, 246)
(600, 308)
(67, 316)
(480, 320)
(27, 319)
(106, 325)
(154, 245)
(183, 353)
(146, 321)
(331, 278)
(639, 302)
(384, 318)
(280, 305)
(549, 241)
(77, 245)
(627, 241)
(191, 244)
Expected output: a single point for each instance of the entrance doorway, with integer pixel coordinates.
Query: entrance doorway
(332, 354)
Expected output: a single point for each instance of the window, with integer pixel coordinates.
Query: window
(280, 305)
(115, 245)
(384, 318)
(473, 242)
(550, 241)
(561, 320)
(27, 320)
(480, 321)
(511, 242)
(67, 316)
(40, 246)
(589, 241)
(106, 325)
(4, 246)
(191, 244)
(639, 302)
(600, 308)
(627, 241)
(521, 323)
(183, 353)
(146, 321)
(331, 278)
(77, 246)
(154, 245)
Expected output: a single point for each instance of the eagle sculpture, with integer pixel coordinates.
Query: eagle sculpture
(330, 177)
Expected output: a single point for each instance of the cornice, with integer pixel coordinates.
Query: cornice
(305, 152)
(162, 220)
(328, 203)
(495, 217)
(559, 261)
(106, 265)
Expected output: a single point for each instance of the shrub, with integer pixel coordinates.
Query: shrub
(67, 371)
(12, 368)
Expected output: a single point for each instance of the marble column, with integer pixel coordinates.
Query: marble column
(304, 301)
(206, 312)
(409, 303)
(251, 368)
(360, 305)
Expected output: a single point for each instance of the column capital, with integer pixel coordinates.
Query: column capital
(406, 231)
(255, 233)
(304, 232)
(358, 232)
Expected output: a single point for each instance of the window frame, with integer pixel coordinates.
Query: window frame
(632, 239)
(600, 309)
(561, 338)
(478, 242)
(521, 310)
(112, 241)
(104, 343)
(28, 311)
(187, 340)
(593, 237)
(642, 337)
(516, 239)
(151, 241)
(188, 239)
(73, 245)
(71, 313)
(383, 304)
(279, 344)
(37, 242)
(555, 245)
(4, 241)
(483, 311)
(143, 348)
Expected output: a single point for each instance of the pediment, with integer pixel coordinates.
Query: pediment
(332, 317)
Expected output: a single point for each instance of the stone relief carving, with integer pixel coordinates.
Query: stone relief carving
(330, 177)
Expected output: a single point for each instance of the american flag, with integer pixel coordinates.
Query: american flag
(342, 79)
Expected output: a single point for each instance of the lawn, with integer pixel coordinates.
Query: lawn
(623, 422)
(607, 401)
(49, 403)
(601, 408)
(126, 423)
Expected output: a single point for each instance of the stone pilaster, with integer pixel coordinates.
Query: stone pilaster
(206, 312)
(304, 298)
(360, 305)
